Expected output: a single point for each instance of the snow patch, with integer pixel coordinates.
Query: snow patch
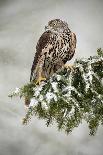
(37, 90)
(50, 96)
(41, 98)
(58, 77)
(17, 90)
(44, 105)
(33, 102)
(54, 86)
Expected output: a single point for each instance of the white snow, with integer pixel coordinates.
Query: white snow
(37, 90)
(90, 73)
(72, 111)
(69, 89)
(58, 77)
(54, 86)
(33, 102)
(41, 98)
(44, 105)
(17, 90)
(87, 76)
(69, 113)
(50, 96)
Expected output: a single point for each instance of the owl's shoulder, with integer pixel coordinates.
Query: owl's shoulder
(44, 40)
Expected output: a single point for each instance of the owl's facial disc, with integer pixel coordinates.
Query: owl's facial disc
(57, 25)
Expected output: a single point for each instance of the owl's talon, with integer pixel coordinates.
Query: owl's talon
(40, 79)
(69, 66)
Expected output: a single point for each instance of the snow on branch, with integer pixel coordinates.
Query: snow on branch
(69, 96)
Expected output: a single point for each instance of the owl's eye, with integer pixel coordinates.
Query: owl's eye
(54, 24)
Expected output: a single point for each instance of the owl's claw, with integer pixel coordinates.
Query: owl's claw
(69, 66)
(40, 79)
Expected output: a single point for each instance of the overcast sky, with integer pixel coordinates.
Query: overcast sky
(21, 24)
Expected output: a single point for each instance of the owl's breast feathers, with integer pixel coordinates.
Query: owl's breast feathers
(53, 50)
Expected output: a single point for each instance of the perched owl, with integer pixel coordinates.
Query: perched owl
(55, 47)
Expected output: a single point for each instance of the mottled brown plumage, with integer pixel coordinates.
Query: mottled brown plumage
(44, 39)
(55, 47)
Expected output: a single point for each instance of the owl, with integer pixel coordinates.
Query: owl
(55, 47)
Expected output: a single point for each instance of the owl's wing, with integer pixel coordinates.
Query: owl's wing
(73, 40)
(42, 43)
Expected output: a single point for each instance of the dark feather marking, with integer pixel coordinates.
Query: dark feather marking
(50, 50)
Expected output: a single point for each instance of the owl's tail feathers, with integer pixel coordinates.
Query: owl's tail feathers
(32, 73)
(31, 76)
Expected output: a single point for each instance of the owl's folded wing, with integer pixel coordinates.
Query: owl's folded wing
(42, 43)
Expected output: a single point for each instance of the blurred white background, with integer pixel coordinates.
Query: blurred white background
(21, 24)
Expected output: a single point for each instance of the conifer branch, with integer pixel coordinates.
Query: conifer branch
(69, 96)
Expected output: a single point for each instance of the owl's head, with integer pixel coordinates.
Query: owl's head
(57, 25)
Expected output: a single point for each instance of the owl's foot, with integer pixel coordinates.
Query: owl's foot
(40, 79)
(69, 66)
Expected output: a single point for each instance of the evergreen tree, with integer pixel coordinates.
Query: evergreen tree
(69, 96)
